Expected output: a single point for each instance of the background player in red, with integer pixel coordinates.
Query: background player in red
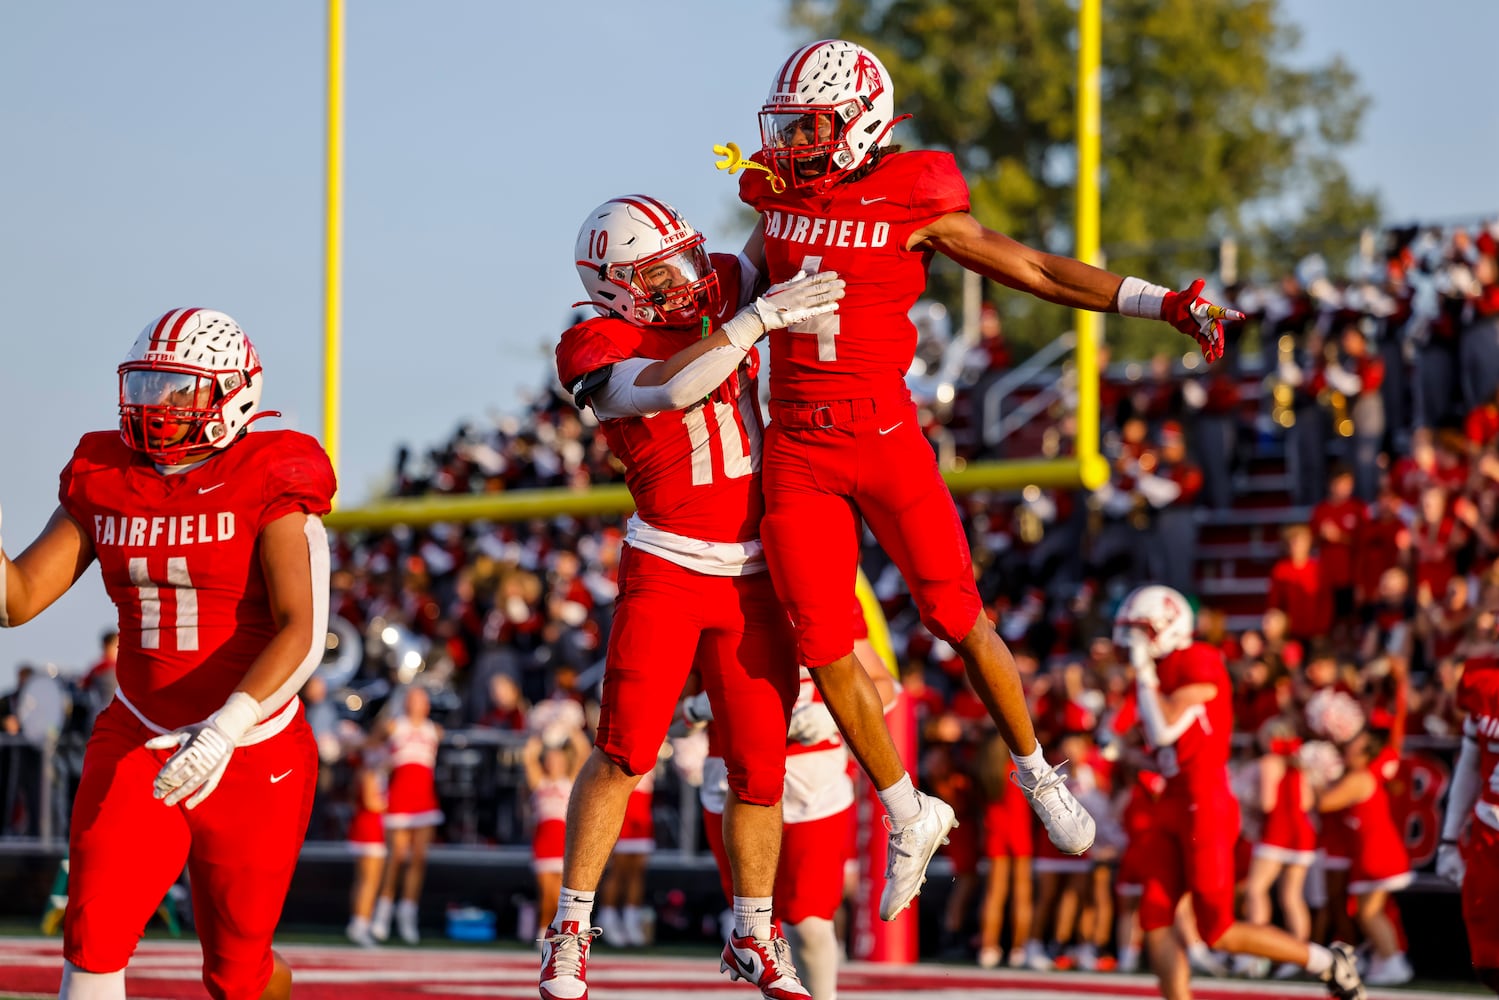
(845, 443)
(1474, 796)
(211, 546)
(1185, 701)
(661, 365)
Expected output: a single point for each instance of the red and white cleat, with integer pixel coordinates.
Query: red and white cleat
(766, 963)
(564, 962)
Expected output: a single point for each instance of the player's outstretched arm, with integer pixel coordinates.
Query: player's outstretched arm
(1073, 283)
(1464, 792)
(638, 386)
(294, 559)
(36, 578)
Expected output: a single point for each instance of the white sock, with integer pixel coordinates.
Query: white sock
(80, 985)
(574, 906)
(383, 906)
(815, 949)
(1031, 764)
(752, 915)
(900, 802)
(1129, 958)
(406, 909)
(358, 925)
(1318, 960)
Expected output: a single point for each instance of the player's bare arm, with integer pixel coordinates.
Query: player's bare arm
(1062, 280)
(36, 578)
(1073, 283)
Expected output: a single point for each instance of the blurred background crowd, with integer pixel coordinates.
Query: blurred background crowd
(1326, 495)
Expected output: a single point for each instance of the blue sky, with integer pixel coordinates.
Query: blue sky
(161, 154)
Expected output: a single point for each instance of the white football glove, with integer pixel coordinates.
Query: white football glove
(1141, 660)
(812, 724)
(206, 747)
(798, 299)
(1450, 864)
(696, 713)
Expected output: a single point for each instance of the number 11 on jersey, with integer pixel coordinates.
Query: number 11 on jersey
(148, 591)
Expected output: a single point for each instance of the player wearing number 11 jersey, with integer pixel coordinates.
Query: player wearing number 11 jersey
(210, 544)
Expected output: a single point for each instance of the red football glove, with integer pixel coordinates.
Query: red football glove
(1198, 318)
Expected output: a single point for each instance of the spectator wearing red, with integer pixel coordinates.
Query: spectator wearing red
(1482, 425)
(1383, 541)
(1299, 588)
(1436, 538)
(992, 337)
(1337, 523)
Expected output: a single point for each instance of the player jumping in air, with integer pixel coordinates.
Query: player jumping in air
(211, 545)
(1185, 701)
(844, 443)
(668, 368)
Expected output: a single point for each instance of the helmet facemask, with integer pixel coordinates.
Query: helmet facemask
(806, 144)
(675, 287)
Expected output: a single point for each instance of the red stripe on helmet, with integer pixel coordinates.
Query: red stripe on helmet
(182, 318)
(666, 210)
(160, 325)
(789, 73)
(646, 210)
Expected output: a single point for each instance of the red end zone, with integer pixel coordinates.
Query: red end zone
(170, 971)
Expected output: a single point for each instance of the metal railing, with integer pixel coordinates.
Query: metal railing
(995, 425)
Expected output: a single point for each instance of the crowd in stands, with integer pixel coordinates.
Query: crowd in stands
(1377, 389)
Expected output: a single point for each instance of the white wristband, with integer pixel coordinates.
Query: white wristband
(240, 714)
(745, 328)
(1141, 299)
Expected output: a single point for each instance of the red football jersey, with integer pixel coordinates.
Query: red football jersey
(693, 472)
(859, 229)
(180, 558)
(1198, 762)
(1478, 697)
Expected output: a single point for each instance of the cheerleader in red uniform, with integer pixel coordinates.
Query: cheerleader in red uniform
(411, 815)
(366, 839)
(623, 915)
(1287, 845)
(1379, 864)
(552, 761)
(1009, 845)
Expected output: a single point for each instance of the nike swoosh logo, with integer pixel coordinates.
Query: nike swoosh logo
(871, 201)
(209, 489)
(747, 968)
(887, 430)
(277, 777)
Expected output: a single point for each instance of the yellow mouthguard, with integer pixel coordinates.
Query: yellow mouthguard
(734, 161)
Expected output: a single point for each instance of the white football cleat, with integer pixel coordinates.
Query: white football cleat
(564, 962)
(766, 964)
(1342, 978)
(910, 851)
(1067, 823)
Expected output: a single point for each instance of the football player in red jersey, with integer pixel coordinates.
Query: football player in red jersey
(1474, 796)
(211, 545)
(668, 368)
(1185, 701)
(844, 441)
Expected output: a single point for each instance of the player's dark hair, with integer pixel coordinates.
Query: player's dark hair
(878, 154)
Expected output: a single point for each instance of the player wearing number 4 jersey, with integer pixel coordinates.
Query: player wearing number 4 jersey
(1469, 853)
(210, 544)
(668, 367)
(844, 442)
(1187, 845)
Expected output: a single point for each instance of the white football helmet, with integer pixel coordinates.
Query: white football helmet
(1163, 614)
(831, 105)
(640, 260)
(190, 383)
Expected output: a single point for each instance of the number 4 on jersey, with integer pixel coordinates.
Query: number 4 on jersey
(825, 327)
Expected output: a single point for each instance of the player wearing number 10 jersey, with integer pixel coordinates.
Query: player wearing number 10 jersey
(668, 367)
(210, 544)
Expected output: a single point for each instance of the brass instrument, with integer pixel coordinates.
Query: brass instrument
(1282, 393)
(1335, 402)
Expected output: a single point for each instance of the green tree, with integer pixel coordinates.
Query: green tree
(1210, 128)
